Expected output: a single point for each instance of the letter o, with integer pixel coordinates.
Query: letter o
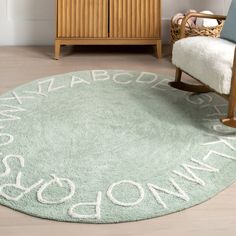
(125, 204)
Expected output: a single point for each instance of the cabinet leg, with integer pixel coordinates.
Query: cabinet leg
(159, 49)
(57, 50)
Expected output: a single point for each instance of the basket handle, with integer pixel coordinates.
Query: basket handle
(199, 15)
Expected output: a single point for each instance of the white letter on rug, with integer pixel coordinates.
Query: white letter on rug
(124, 204)
(7, 168)
(192, 176)
(16, 97)
(9, 137)
(115, 78)
(10, 109)
(218, 111)
(139, 79)
(96, 204)
(100, 73)
(222, 140)
(77, 80)
(18, 185)
(210, 153)
(199, 99)
(222, 130)
(180, 194)
(162, 85)
(50, 85)
(59, 182)
(50, 88)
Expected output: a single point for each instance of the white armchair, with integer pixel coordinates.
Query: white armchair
(211, 61)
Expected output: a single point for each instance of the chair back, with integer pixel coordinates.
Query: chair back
(229, 29)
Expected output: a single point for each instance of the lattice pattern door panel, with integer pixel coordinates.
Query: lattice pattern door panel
(82, 18)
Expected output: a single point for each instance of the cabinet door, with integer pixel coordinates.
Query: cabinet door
(82, 18)
(135, 18)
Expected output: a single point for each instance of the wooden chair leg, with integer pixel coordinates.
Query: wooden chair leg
(230, 120)
(187, 87)
(178, 74)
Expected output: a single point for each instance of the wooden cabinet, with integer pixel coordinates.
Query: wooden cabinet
(82, 19)
(135, 19)
(108, 22)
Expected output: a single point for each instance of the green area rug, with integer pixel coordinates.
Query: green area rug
(111, 146)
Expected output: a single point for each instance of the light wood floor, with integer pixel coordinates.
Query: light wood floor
(19, 65)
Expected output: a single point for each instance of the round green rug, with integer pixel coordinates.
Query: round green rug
(111, 146)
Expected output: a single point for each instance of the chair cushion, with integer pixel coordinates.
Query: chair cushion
(229, 29)
(210, 60)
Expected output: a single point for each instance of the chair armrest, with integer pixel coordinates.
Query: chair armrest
(199, 15)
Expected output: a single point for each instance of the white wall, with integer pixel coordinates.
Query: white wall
(32, 22)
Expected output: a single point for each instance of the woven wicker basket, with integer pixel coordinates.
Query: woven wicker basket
(190, 32)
